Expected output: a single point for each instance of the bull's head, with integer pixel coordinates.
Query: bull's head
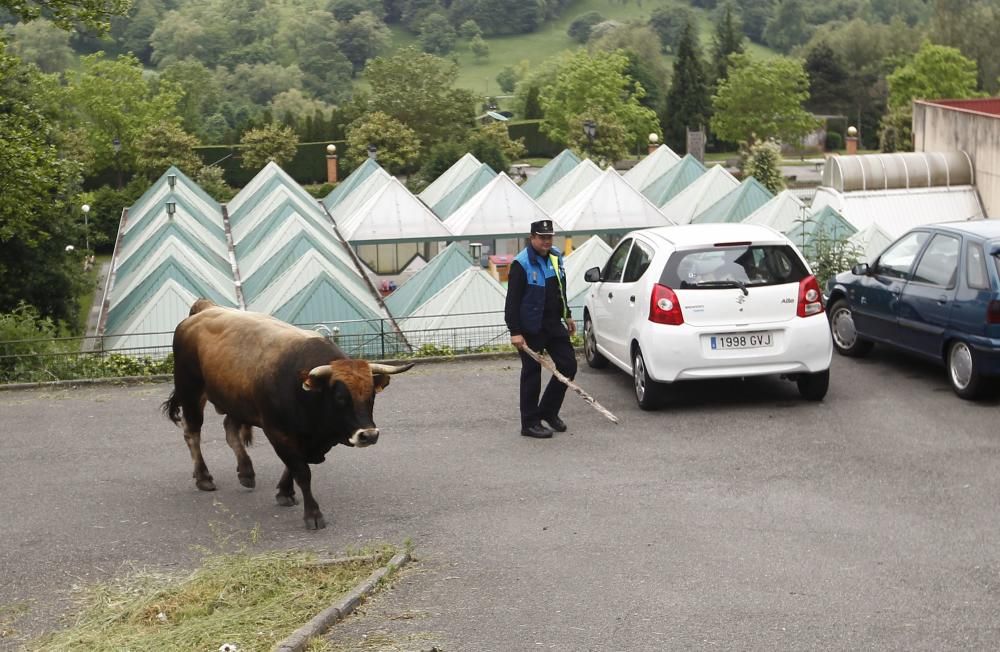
(349, 388)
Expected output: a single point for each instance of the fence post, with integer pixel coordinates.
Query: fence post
(381, 328)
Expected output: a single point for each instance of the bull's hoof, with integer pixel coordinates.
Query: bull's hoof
(205, 484)
(315, 522)
(248, 481)
(286, 501)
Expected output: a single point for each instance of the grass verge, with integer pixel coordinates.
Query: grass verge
(251, 600)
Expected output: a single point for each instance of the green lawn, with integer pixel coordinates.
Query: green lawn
(480, 76)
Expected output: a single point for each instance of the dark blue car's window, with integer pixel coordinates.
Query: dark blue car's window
(897, 260)
(939, 264)
(975, 268)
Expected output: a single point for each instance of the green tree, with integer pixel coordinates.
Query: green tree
(437, 36)
(787, 28)
(362, 38)
(669, 22)
(480, 48)
(94, 14)
(762, 161)
(936, 71)
(498, 134)
(345, 10)
(38, 211)
(507, 78)
(970, 26)
(397, 146)
(326, 72)
(727, 40)
(762, 99)
(579, 29)
(163, 145)
(533, 104)
(829, 89)
(273, 142)
(42, 43)
(201, 92)
(594, 84)
(688, 102)
(418, 89)
(439, 158)
(640, 45)
(754, 15)
(112, 105)
(612, 140)
(469, 30)
(179, 36)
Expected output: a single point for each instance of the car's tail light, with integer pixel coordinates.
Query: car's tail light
(810, 298)
(993, 312)
(664, 308)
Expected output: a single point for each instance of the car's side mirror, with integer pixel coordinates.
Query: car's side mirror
(592, 275)
(861, 269)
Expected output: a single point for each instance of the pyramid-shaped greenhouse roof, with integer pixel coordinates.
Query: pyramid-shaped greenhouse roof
(705, 191)
(550, 173)
(452, 177)
(669, 184)
(780, 213)
(737, 204)
(464, 191)
(353, 180)
(500, 209)
(392, 214)
(439, 272)
(826, 224)
(466, 313)
(592, 253)
(361, 194)
(652, 167)
(608, 204)
(570, 186)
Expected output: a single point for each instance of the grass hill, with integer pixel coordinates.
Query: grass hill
(480, 76)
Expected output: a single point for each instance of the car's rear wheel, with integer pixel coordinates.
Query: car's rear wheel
(965, 380)
(813, 387)
(648, 392)
(594, 358)
(845, 336)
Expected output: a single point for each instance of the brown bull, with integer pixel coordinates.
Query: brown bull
(295, 385)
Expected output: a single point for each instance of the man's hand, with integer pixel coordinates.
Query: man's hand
(571, 325)
(517, 341)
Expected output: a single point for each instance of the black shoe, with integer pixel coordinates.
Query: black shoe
(556, 423)
(538, 431)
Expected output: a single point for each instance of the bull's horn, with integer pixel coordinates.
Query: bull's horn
(388, 369)
(316, 377)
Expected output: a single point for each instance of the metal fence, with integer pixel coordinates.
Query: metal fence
(141, 354)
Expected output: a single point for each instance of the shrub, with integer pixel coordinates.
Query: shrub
(834, 141)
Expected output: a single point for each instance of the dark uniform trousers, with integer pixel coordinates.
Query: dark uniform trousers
(561, 351)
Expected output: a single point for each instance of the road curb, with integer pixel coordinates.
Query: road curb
(322, 621)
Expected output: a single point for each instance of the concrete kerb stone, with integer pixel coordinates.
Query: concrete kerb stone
(325, 619)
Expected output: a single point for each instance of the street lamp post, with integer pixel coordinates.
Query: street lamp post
(117, 145)
(372, 151)
(86, 226)
(590, 129)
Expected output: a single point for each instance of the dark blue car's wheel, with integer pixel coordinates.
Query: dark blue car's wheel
(845, 336)
(965, 379)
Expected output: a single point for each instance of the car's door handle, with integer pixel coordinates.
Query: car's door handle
(631, 299)
(611, 295)
(943, 299)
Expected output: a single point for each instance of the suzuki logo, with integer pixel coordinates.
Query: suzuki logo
(740, 299)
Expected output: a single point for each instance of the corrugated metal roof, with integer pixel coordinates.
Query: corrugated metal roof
(456, 174)
(211, 239)
(283, 252)
(499, 209)
(897, 211)
(469, 310)
(737, 204)
(274, 198)
(570, 186)
(270, 236)
(353, 180)
(464, 191)
(669, 184)
(652, 167)
(178, 237)
(392, 214)
(550, 173)
(609, 204)
(705, 191)
(186, 193)
(151, 325)
(439, 272)
(323, 299)
(592, 253)
(781, 213)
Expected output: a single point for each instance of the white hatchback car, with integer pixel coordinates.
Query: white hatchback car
(707, 301)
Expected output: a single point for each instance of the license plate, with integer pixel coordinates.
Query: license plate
(742, 340)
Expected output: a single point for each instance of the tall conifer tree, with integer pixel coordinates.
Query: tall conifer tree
(728, 39)
(688, 103)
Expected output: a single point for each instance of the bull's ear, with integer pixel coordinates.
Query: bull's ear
(381, 381)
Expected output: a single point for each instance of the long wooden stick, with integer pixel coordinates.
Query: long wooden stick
(547, 363)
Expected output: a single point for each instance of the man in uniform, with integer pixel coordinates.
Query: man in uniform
(535, 312)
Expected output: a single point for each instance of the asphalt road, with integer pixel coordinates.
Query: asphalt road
(738, 517)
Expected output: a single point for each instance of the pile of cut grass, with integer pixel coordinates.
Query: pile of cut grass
(252, 600)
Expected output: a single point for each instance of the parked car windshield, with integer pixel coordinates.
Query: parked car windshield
(720, 267)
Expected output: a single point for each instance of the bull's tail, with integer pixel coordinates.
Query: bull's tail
(172, 408)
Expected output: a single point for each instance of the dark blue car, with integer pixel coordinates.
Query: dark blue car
(934, 292)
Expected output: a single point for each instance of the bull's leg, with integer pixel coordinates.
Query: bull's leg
(194, 416)
(298, 469)
(286, 490)
(236, 434)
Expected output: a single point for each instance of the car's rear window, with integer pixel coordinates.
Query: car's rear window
(725, 266)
